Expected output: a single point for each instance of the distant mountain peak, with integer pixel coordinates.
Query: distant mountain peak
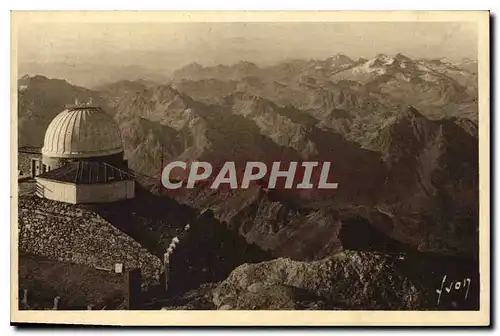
(246, 63)
(382, 56)
(340, 56)
(38, 78)
(445, 60)
(400, 56)
(338, 60)
(468, 60)
(380, 61)
(194, 65)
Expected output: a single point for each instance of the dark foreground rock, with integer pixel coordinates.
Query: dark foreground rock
(348, 280)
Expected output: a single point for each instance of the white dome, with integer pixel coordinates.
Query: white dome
(82, 132)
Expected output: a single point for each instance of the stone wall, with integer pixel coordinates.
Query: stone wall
(24, 162)
(68, 233)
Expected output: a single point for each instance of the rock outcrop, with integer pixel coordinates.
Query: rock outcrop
(347, 280)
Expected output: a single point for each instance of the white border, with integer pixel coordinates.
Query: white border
(198, 5)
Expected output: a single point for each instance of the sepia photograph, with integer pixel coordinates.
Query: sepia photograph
(239, 167)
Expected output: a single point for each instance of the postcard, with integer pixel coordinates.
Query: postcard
(250, 168)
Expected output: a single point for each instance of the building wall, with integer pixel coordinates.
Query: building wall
(116, 160)
(52, 163)
(57, 191)
(85, 193)
(105, 192)
(24, 162)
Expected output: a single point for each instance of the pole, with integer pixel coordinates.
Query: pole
(166, 266)
(161, 170)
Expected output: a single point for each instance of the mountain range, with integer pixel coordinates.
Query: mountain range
(401, 135)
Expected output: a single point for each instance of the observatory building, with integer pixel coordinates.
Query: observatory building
(82, 159)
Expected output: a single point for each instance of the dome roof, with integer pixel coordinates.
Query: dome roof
(82, 132)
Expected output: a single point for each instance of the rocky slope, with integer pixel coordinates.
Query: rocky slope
(311, 230)
(348, 280)
(423, 194)
(438, 152)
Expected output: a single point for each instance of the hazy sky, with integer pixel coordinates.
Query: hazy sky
(172, 45)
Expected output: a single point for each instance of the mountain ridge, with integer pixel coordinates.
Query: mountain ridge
(408, 172)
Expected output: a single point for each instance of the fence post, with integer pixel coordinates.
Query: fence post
(166, 267)
(133, 289)
(56, 303)
(25, 297)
